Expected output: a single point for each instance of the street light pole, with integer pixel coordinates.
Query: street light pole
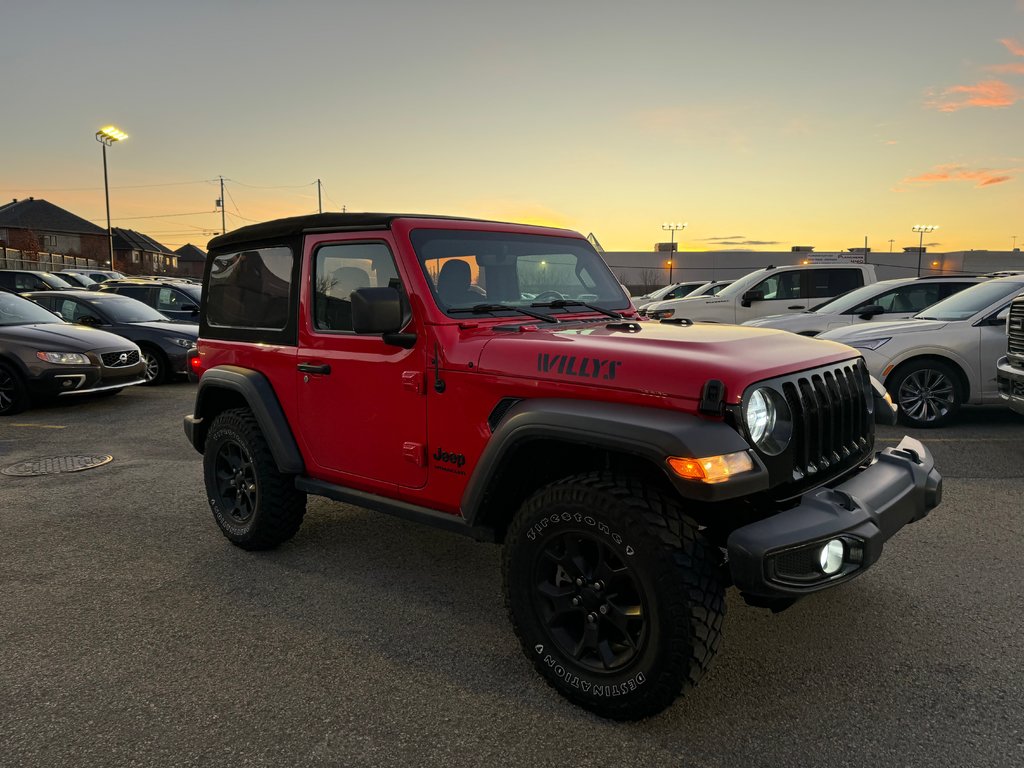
(106, 137)
(672, 229)
(921, 229)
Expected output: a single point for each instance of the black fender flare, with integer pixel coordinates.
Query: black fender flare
(653, 434)
(261, 399)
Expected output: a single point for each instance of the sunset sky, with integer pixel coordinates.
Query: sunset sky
(763, 124)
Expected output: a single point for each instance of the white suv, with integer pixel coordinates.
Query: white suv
(943, 357)
(885, 300)
(768, 291)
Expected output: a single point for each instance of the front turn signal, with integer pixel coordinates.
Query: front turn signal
(712, 469)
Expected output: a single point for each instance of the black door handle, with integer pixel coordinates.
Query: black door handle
(323, 368)
(798, 306)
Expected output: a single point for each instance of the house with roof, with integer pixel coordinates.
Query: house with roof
(191, 260)
(139, 254)
(36, 226)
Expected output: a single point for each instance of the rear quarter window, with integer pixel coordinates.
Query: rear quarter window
(250, 289)
(834, 282)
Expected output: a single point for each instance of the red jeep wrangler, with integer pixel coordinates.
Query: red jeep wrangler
(492, 379)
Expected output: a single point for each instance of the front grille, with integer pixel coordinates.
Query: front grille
(120, 359)
(832, 427)
(1015, 328)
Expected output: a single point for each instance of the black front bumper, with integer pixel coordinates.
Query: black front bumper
(779, 557)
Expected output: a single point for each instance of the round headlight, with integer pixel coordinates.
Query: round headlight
(768, 421)
(760, 415)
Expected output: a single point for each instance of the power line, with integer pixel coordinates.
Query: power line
(96, 189)
(156, 216)
(277, 186)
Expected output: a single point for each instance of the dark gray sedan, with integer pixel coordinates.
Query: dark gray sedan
(42, 356)
(164, 343)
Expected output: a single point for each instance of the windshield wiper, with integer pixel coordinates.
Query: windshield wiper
(479, 309)
(564, 303)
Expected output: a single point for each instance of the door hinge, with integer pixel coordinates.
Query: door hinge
(413, 381)
(415, 452)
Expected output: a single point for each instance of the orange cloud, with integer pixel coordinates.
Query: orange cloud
(1013, 46)
(989, 93)
(983, 177)
(1013, 68)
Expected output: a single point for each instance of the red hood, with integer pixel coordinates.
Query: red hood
(658, 359)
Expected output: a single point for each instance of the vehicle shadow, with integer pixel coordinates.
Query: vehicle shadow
(429, 603)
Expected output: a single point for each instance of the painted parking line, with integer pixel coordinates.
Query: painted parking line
(953, 439)
(39, 426)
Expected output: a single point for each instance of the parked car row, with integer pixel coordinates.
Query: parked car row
(41, 356)
(67, 342)
(932, 341)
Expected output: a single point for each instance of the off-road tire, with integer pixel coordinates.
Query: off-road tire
(157, 366)
(928, 393)
(13, 393)
(675, 572)
(272, 509)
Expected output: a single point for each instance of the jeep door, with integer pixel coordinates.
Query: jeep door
(361, 401)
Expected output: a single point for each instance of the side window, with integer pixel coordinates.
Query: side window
(169, 299)
(341, 269)
(70, 310)
(29, 283)
(948, 289)
(826, 283)
(250, 289)
(140, 292)
(783, 285)
(47, 302)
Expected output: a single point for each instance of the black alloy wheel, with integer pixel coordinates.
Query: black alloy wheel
(255, 505)
(591, 603)
(13, 397)
(236, 482)
(614, 593)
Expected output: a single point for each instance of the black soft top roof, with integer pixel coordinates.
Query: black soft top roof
(280, 229)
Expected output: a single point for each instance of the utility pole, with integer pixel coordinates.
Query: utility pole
(223, 222)
(891, 241)
(319, 203)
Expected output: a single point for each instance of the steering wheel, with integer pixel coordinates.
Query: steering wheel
(548, 295)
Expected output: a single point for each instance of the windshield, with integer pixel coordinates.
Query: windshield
(54, 281)
(740, 286)
(121, 309)
(15, 310)
(851, 299)
(504, 270)
(971, 301)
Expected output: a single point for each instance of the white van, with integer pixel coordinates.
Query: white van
(769, 291)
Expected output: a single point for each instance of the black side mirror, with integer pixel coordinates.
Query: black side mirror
(868, 311)
(190, 308)
(750, 297)
(379, 311)
(89, 320)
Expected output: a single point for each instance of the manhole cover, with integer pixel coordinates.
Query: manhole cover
(52, 465)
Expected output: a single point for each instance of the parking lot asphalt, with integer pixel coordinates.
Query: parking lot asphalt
(132, 633)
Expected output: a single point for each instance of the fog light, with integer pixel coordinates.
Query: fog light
(831, 557)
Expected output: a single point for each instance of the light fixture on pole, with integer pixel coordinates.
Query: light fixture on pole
(921, 229)
(107, 136)
(672, 228)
